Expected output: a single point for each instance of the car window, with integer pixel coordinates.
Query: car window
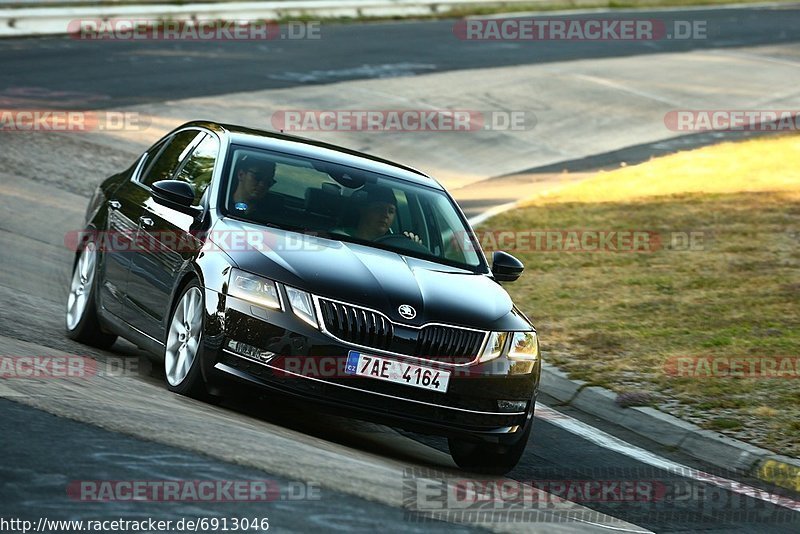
(198, 168)
(167, 161)
(446, 240)
(347, 204)
(148, 158)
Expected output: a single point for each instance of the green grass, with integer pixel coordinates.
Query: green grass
(722, 423)
(615, 318)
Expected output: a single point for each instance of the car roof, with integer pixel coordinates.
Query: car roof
(301, 146)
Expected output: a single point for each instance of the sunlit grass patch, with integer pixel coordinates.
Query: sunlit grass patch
(755, 165)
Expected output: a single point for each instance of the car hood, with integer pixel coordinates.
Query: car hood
(376, 278)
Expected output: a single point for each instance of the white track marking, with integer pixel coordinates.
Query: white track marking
(605, 440)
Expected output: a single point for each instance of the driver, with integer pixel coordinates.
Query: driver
(376, 215)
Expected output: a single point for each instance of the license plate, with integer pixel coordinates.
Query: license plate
(398, 372)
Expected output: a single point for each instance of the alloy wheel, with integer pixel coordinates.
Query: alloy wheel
(81, 286)
(183, 339)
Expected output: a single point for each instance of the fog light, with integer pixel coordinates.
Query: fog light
(512, 405)
(251, 352)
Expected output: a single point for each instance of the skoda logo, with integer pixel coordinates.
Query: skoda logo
(407, 311)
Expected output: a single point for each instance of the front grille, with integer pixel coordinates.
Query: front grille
(454, 344)
(371, 329)
(357, 325)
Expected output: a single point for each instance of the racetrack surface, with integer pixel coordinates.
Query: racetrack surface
(109, 74)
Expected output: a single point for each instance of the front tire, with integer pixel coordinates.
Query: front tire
(488, 458)
(183, 349)
(82, 323)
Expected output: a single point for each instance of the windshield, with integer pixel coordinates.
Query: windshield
(347, 204)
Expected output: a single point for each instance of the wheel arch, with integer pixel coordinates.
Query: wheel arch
(183, 281)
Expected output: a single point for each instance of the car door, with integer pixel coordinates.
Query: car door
(173, 242)
(130, 199)
(124, 210)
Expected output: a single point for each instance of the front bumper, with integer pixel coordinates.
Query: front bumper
(299, 360)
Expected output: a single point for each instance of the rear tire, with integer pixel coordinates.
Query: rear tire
(488, 458)
(82, 323)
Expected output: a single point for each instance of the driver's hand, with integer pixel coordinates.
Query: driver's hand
(413, 237)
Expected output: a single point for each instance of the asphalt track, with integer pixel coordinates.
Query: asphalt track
(35, 475)
(360, 467)
(76, 74)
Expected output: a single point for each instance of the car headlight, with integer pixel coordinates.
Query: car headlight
(524, 346)
(494, 346)
(301, 305)
(254, 289)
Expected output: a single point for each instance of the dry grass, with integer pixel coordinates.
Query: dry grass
(615, 318)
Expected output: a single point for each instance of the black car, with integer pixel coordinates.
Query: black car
(243, 256)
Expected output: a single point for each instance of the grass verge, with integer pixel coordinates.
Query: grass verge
(622, 319)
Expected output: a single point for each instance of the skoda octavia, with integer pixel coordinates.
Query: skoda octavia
(243, 256)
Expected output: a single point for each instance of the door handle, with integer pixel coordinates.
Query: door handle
(114, 204)
(146, 221)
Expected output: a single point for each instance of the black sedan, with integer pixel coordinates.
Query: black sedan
(243, 256)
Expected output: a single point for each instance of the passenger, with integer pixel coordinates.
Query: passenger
(254, 177)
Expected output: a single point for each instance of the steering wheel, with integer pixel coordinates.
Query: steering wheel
(402, 241)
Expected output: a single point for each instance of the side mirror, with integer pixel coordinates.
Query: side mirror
(174, 194)
(505, 267)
